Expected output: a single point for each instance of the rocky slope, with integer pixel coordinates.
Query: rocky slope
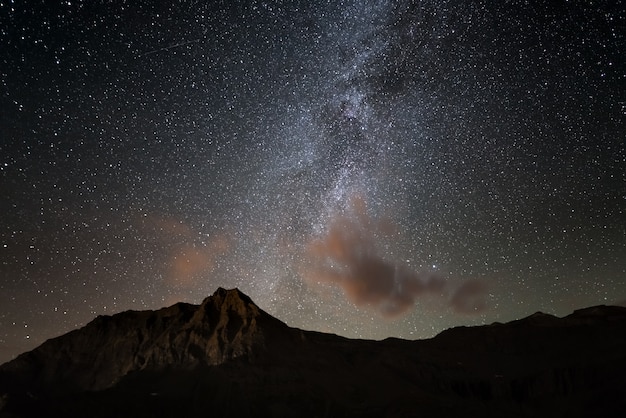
(227, 357)
(225, 326)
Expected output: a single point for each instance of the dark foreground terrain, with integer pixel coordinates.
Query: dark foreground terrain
(228, 358)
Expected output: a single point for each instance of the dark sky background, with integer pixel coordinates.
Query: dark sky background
(367, 168)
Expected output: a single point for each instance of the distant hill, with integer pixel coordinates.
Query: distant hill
(227, 357)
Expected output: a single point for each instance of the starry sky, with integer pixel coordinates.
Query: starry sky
(371, 168)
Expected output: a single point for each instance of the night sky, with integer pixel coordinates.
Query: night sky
(367, 168)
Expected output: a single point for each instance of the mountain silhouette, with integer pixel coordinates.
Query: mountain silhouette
(227, 357)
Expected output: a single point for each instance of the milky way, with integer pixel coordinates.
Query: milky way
(368, 168)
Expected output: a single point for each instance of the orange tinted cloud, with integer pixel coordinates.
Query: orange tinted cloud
(189, 263)
(347, 256)
(187, 256)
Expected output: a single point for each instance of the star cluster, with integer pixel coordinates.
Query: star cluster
(371, 168)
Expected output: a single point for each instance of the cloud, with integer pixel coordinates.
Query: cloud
(348, 256)
(186, 255)
(189, 263)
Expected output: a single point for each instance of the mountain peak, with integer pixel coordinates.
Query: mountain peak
(231, 297)
(226, 326)
(220, 291)
(540, 318)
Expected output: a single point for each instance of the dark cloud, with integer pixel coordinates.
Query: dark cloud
(348, 255)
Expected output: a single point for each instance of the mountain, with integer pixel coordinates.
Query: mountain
(227, 357)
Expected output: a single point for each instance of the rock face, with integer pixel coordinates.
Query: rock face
(227, 357)
(225, 326)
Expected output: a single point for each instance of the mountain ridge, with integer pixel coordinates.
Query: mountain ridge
(228, 353)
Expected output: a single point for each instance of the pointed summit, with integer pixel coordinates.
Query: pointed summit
(234, 294)
(229, 325)
(232, 300)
